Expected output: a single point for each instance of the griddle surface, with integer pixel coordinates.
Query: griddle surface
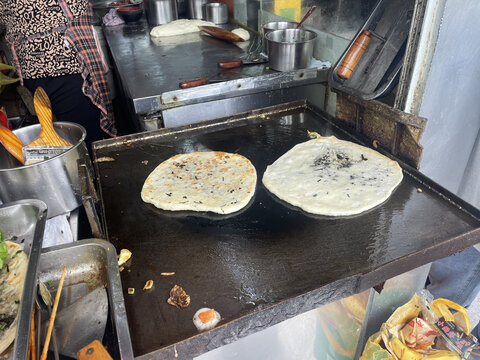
(268, 259)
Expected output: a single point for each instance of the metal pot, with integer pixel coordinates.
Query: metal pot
(276, 25)
(216, 13)
(290, 49)
(55, 181)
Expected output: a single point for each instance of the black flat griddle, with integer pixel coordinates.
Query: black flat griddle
(269, 262)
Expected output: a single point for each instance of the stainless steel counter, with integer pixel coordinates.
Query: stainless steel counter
(150, 69)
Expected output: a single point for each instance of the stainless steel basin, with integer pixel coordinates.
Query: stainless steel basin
(55, 181)
(90, 264)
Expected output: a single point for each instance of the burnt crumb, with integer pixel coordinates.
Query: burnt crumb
(196, 177)
(338, 160)
(352, 177)
(181, 166)
(7, 320)
(184, 197)
(198, 202)
(223, 178)
(363, 157)
(348, 195)
(231, 191)
(168, 194)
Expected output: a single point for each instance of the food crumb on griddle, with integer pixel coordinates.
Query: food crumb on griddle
(375, 144)
(167, 273)
(419, 190)
(145, 162)
(148, 285)
(178, 297)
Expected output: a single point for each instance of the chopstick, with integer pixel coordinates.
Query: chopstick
(52, 317)
(33, 347)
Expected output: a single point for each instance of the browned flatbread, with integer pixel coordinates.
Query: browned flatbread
(212, 181)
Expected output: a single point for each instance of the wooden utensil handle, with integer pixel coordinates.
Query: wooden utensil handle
(93, 351)
(12, 143)
(230, 64)
(192, 83)
(354, 55)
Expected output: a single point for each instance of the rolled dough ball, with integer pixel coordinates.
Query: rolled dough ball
(244, 34)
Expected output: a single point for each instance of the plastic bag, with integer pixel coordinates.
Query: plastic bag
(399, 337)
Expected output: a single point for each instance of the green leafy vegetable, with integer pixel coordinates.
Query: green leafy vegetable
(3, 249)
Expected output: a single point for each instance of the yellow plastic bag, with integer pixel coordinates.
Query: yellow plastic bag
(387, 343)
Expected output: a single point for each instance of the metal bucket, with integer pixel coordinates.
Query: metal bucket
(195, 9)
(160, 12)
(55, 181)
(216, 13)
(276, 25)
(290, 49)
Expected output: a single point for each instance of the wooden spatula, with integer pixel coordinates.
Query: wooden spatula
(11, 142)
(48, 144)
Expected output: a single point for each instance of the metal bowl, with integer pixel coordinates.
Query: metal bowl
(276, 25)
(290, 49)
(55, 181)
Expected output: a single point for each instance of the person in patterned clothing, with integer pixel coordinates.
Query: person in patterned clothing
(54, 46)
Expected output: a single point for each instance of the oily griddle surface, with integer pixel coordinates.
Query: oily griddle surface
(269, 252)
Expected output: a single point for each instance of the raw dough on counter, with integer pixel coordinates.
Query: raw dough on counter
(179, 27)
(213, 181)
(244, 34)
(328, 176)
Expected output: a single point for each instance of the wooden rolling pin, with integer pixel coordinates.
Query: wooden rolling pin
(354, 54)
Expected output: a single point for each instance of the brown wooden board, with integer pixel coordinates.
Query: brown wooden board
(270, 261)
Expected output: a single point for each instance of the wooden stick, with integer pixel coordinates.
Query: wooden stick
(52, 317)
(33, 345)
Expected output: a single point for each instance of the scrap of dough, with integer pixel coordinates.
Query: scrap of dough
(179, 27)
(244, 34)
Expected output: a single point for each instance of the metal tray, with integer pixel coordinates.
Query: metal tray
(379, 68)
(25, 220)
(93, 263)
(270, 262)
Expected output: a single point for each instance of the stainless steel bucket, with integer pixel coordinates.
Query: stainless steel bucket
(290, 49)
(195, 9)
(276, 25)
(55, 181)
(216, 12)
(160, 12)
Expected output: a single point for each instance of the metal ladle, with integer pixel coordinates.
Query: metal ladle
(45, 301)
(307, 15)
